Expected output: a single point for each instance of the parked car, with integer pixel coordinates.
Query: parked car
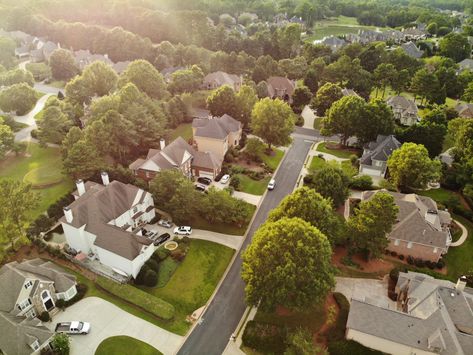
(200, 187)
(183, 230)
(74, 327)
(225, 178)
(69, 250)
(271, 184)
(204, 180)
(162, 238)
(165, 223)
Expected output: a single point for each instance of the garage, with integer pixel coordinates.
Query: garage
(206, 174)
(372, 172)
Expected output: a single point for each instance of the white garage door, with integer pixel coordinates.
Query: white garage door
(372, 172)
(206, 174)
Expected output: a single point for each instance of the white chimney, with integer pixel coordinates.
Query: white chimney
(80, 187)
(162, 143)
(461, 283)
(68, 214)
(105, 179)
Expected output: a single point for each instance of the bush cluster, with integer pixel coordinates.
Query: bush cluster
(362, 182)
(264, 337)
(44, 316)
(55, 210)
(39, 225)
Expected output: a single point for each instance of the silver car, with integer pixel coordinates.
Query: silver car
(165, 223)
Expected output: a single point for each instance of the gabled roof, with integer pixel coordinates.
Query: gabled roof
(466, 64)
(217, 128)
(465, 110)
(380, 150)
(411, 49)
(349, 92)
(18, 334)
(277, 83)
(401, 102)
(221, 78)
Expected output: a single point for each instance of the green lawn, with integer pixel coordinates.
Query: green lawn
(124, 345)
(184, 130)
(200, 223)
(318, 123)
(196, 278)
(459, 260)
(318, 163)
(254, 187)
(167, 268)
(38, 165)
(272, 160)
(441, 195)
(340, 153)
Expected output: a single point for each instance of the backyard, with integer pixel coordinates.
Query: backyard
(184, 130)
(336, 150)
(124, 345)
(41, 167)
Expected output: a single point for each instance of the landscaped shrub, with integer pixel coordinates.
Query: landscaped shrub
(152, 264)
(337, 332)
(394, 274)
(39, 225)
(161, 254)
(44, 317)
(264, 337)
(401, 257)
(419, 262)
(235, 182)
(440, 264)
(430, 264)
(362, 182)
(61, 304)
(344, 347)
(128, 293)
(393, 253)
(55, 210)
(140, 278)
(81, 291)
(178, 254)
(151, 278)
(410, 260)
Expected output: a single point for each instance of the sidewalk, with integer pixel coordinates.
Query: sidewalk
(231, 241)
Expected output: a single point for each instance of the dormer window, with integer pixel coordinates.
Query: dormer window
(35, 345)
(135, 209)
(28, 284)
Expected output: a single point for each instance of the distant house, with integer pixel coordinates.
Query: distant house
(464, 110)
(334, 43)
(375, 156)
(421, 229)
(394, 35)
(40, 51)
(447, 157)
(217, 79)
(414, 33)
(178, 155)
(431, 316)
(83, 58)
(404, 109)
(366, 36)
(216, 135)
(28, 289)
(167, 72)
(412, 50)
(120, 67)
(465, 64)
(280, 87)
(104, 224)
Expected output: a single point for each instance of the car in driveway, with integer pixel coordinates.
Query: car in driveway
(201, 187)
(183, 230)
(204, 180)
(165, 223)
(74, 327)
(161, 239)
(271, 184)
(225, 178)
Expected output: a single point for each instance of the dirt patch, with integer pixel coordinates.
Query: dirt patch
(248, 164)
(331, 311)
(337, 146)
(372, 266)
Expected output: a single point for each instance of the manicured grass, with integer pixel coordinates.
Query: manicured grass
(44, 175)
(196, 278)
(441, 195)
(274, 159)
(459, 260)
(167, 268)
(340, 153)
(336, 26)
(124, 345)
(184, 130)
(254, 187)
(35, 165)
(318, 163)
(200, 223)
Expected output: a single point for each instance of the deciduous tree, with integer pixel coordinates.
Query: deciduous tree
(63, 66)
(332, 183)
(222, 101)
(53, 126)
(19, 98)
(7, 139)
(326, 96)
(145, 77)
(455, 46)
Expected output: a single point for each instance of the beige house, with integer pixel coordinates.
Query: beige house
(216, 135)
(464, 110)
(430, 316)
(404, 109)
(281, 87)
(217, 79)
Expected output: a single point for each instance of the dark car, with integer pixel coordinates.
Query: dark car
(161, 239)
(204, 180)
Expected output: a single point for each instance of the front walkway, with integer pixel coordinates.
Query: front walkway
(369, 290)
(107, 320)
(462, 237)
(231, 241)
(309, 117)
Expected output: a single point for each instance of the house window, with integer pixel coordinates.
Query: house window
(35, 345)
(409, 245)
(45, 295)
(147, 174)
(25, 304)
(28, 284)
(30, 314)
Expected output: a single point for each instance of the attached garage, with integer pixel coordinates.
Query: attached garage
(207, 174)
(370, 171)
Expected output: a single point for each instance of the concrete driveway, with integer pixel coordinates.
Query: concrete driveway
(250, 198)
(107, 320)
(370, 290)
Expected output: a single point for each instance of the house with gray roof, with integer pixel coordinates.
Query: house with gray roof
(217, 79)
(465, 64)
(404, 109)
(421, 229)
(431, 316)
(414, 33)
(465, 110)
(334, 43)
(178, 155)
(84, 57)
(104, 225)
(349, 92)
(374, 161)
(412, 50)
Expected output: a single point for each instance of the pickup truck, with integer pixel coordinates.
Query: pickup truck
(73, 327)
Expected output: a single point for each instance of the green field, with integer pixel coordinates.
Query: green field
(340, 153)
(195, 280)
(254, 187)
(184, 130)
(272, 160)
(38, 166)
(124, 345)
(318, 163)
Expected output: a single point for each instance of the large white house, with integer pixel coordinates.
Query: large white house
(104, 223)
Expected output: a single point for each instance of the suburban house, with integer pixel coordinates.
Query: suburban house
(26, 290)
(465, 64)
(464, 110)
(177, 155)
(334, 43)
(414, 33)
(120, 67)
(219, 78)
(104, 224)
(430, 316)
(280, 87)
(404, 109)
(421, 229)
(216, 135)
(412, 50)
(83, 58)
(394, 35)
(365, 36)
(167, 72)
(374, 160)
(349, 92)
(43, 51)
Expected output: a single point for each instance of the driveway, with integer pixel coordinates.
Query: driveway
(309, 117)
(108, 320)
(28, 119)
(370, 290)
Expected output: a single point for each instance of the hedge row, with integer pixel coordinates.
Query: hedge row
(351, 347)
(264, 337)
(152, 304)
(338, 330)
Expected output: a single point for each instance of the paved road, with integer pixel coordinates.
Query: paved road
(227, 307)
(24, 134)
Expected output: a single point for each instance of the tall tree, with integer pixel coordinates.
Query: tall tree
(53, 126)
(455, 46)
(288, 263)
(326, 96)
(430, 134)
(222, 101)
(377, 119)
(371, 222)
(145, 77)
(7, 52)
(273, 121)
(245, 101)
(332, 183)
(19, 98)
(7, 139)
(63, 66)
(301, 97)
(383, 76)
(410, 166)
(425, 84)
(82, 160)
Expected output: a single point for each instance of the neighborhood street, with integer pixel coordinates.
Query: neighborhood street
(24, 134)
(227, 307)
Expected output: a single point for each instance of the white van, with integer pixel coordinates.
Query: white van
(271, 184)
